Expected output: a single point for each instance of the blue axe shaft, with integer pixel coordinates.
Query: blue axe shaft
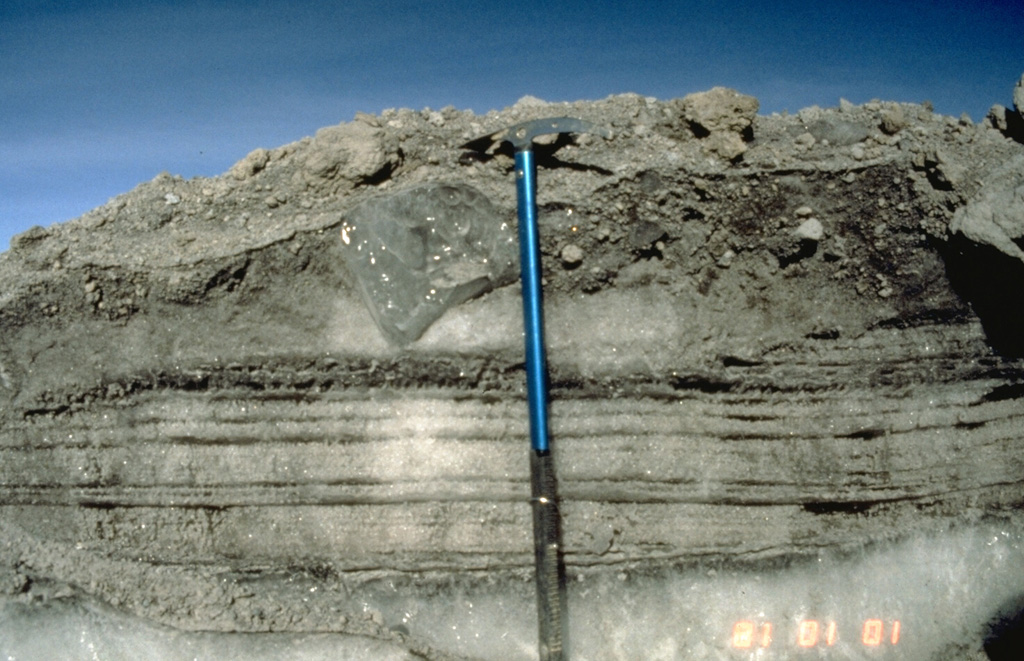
(533, 308)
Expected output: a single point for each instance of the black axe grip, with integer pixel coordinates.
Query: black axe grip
(547, 537)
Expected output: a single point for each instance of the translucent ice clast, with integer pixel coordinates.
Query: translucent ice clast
(419, 251)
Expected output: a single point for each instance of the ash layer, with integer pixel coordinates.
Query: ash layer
(768, 335)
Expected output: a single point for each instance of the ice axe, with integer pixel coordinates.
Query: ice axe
(550, 571)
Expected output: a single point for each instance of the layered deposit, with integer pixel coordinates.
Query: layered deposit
(287, 404)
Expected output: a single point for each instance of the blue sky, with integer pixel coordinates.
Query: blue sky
(96, 97)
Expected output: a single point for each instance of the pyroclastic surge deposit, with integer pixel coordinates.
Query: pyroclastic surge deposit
(768, 336)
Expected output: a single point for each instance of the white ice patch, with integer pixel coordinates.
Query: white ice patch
(352, 329)
(941, 590)
(490, 323)
(603, 333)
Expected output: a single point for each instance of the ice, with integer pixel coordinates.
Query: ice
(417, 252)
(943, 589)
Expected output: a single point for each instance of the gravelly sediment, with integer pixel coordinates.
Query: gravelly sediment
(195, 404)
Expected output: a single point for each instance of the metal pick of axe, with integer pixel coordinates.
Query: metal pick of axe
(550, 571)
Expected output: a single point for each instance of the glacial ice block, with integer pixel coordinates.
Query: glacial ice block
(417, 252)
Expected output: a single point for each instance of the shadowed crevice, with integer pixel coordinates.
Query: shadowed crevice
(993, 283)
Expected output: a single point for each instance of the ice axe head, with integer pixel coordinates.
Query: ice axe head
(522, 135)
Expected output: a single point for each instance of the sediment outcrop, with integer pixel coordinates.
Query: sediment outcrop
(767, 334)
